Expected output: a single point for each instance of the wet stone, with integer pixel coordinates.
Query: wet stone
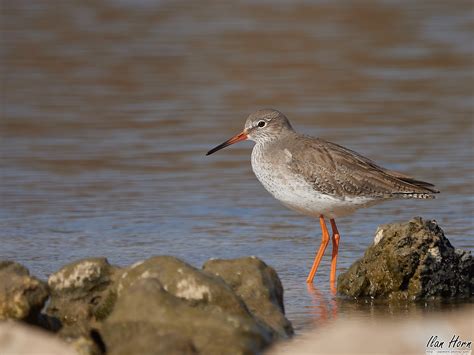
(410, 261)
(259, 287)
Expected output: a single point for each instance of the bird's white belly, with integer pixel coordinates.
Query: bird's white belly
(295, 193)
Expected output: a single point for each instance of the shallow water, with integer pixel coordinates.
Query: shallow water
(108, 110)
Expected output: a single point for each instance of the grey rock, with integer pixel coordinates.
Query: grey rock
(82, 291)
(21, 296)
(124, 338)
(410, 261)
(185, 282)
(174, 324)
(163, 305)
(259, 287)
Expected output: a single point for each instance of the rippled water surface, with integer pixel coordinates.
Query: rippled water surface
(108, 109)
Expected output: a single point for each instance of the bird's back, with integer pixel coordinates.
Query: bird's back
(338, 171)
(314, 176)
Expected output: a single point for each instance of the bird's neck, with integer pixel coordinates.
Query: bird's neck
(273, 138)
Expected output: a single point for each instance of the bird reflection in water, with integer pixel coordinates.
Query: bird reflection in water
(322, 309)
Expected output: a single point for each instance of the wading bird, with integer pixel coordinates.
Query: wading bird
(318, 178)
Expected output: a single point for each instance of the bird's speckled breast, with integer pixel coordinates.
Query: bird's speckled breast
(270, 165)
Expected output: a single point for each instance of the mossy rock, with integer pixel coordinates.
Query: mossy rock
(83, 291)
(21, 296)
(410, 261)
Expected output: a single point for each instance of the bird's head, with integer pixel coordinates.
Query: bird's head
(261, 126)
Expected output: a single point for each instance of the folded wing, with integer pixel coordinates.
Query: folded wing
(338, 171)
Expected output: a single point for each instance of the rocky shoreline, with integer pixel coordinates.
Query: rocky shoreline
(163, 305)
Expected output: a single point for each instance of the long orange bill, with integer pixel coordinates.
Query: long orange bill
(237, 138)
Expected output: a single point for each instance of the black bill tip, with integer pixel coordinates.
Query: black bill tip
(219, 147)
(237, 138)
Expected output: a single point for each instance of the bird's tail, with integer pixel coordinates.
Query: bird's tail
(419, 189)
(415, 195)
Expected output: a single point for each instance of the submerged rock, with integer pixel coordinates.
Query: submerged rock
(412, 260)
(259, 287)
(21, 296)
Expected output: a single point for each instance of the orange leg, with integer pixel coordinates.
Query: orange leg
(322, 248)
(335, 250)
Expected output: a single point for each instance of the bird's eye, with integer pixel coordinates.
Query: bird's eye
(261, 123)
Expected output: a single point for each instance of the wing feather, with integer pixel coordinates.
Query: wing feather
(336, 170)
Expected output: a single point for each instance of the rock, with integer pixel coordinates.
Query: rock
(410, 261)
(185, 282)
(166, 306)
(82, 291)
(17, 338)
(148, 318)
(144, 338)
(13, 268)
(163, 305)
(82, 338)
(259, 287)
(21, 296)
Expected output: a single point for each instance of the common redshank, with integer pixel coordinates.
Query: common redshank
(318, 178)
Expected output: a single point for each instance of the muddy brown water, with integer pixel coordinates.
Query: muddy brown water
(108, 109)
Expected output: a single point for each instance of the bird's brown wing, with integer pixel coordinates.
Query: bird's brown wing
(335, 170)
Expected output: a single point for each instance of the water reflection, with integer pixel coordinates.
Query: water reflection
(324, 307)
(366, 308)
